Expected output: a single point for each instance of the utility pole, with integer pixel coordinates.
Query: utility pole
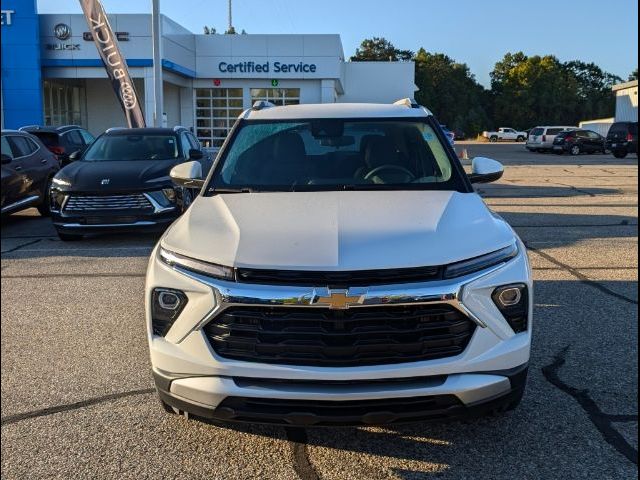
(158, 100)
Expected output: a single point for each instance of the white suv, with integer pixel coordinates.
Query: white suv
(338, 268)
(540, 139)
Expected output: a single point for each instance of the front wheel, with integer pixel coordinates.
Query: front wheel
(575, 150)
(493, 139)
(520, 139)
(43, 207)
(619, 153)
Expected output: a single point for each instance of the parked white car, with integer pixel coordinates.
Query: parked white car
(505, 133)
(540, 139)
(327, 263)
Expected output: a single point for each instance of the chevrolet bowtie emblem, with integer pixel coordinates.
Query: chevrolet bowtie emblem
(339, 300)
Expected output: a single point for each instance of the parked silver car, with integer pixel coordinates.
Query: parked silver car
(540, 139)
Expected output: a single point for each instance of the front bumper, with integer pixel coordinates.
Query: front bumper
(192, 377)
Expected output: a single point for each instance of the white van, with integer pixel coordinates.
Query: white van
(540, 139)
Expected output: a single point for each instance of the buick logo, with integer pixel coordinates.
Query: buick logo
(128, 96)
(62, 31)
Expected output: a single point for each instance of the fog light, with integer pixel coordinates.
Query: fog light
(513, 303)
(509, 297)
(170, 193)
(166, 306)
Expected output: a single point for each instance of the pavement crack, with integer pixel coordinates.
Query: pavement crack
(8, 420)
(583, 279)
(602, 421)
(297, 438)
(20, 246)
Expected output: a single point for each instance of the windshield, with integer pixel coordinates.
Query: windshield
(335, 154)
(132, 147)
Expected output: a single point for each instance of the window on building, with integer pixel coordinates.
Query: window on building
(277, 96)
(216, 111)
(64, 102)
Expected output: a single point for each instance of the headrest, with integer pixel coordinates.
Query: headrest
(289, 145)
(380, 151)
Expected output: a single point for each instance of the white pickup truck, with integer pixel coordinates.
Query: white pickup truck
(505, 134)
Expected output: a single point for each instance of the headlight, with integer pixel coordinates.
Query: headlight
(513, 303)
(197, 266)
(480, 263)
(60, 182)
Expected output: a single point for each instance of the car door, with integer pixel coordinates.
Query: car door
(73, 142)
(35, 163)
(12, 177)
(596, 141)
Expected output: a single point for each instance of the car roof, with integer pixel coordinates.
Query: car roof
(15, 132)
(49, 128)
(336, 110)
(142, 131)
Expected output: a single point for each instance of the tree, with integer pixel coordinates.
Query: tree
(379, 49)
(633, 75)
(595, 98)
(451, 92)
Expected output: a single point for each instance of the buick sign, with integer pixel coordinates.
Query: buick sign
(62, 31)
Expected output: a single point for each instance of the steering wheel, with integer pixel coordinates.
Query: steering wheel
(382, 168)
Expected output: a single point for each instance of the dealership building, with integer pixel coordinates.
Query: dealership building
(52, 74)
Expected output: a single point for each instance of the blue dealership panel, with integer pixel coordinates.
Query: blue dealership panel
(21, 73)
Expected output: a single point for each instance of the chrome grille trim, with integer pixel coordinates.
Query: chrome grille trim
(95, 203)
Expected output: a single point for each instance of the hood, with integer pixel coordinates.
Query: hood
(337, 230)
(123, 176)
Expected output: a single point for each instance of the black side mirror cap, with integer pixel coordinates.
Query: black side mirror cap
(6, 159)
(195, 154)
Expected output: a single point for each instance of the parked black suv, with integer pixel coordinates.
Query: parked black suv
(62, 141)
(578, 141)
(622, 138)
(121, 182)
(27, 170)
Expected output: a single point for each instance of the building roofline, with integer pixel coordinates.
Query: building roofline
(622, 86)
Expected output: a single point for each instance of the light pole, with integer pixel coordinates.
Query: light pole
(158, 100)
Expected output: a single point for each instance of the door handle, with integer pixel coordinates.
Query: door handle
(44, 160)
(17, 168)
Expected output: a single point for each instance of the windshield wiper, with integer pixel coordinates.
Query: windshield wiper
(232, 190)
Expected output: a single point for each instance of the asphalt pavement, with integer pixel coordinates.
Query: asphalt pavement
(77, 394)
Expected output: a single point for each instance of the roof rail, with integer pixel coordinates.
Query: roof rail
(113, 129)
(260, 104)
(407, 102)
(22, 129)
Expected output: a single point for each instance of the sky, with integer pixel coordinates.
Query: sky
(477, 33)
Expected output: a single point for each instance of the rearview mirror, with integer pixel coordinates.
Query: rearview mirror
(5, 159)
(485, 170)
(195, 154)
(187, 174)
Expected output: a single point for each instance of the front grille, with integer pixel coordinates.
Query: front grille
(339, 338)
(335, 279)
(333, 413)
(97, 203)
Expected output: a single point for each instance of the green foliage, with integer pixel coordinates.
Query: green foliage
(633, 75)
(451, 92)
(379, 49)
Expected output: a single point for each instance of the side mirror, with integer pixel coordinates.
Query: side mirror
(73, 156)
(187, 174)
(6, 159)
(195, 154)
(485, 170)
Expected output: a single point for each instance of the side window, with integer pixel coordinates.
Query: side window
(74, 139)
(582, 134)
(20, 146)
(33, 146)
(6, 148)
(593, 135)
(86, 137)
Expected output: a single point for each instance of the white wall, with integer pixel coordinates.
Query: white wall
(378, 82)
(103, 108)
(171, 95)
(627, 104)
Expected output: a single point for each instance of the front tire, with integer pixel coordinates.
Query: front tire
(575, 150)
(493, 139)
(520, 139)
(619, 153)
(44, 207)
